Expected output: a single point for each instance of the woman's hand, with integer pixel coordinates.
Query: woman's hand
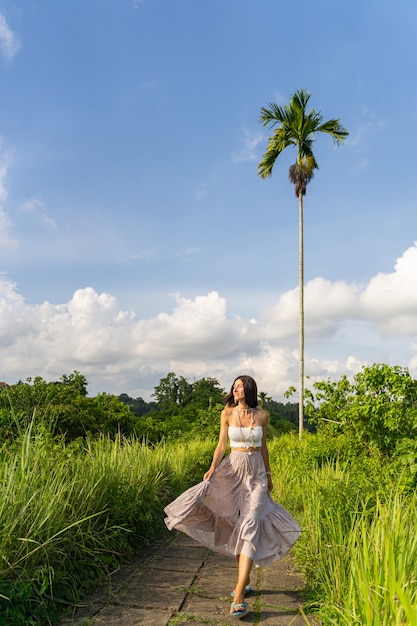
(208, 474)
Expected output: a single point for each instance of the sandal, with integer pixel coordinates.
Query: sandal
(239, 610)
(248, 589)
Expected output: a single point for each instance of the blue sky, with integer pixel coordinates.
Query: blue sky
(136, 237)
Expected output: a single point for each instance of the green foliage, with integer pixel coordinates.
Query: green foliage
(206, 393)
(358, 548)
(188, 410)
(180, 423)
(377, 410)
(138, 406)
(295, 127)
(172, 390)
(183, 410)
(63, 407)
(70, 512)
(283, 418)
(71, 509)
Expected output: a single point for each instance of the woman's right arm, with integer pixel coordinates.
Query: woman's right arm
(221, 445)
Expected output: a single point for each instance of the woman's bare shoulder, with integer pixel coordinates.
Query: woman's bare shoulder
(227, 412)
(261, 416)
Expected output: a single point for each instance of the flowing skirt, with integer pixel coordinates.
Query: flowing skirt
(233, 513)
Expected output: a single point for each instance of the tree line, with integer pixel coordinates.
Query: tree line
(184, 408)
(376, 410)
(180, 409)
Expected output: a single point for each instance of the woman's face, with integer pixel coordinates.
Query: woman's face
(238, 390)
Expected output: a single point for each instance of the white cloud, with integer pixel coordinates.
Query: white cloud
(9, 41)
(326, 304)
(197, 328)
(118, 352)
(390, 300)
(247, 148)
(37, 210)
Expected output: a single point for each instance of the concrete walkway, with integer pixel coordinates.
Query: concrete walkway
(177, 582)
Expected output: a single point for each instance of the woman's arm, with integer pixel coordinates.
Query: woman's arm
(265, 454)
(221, 446)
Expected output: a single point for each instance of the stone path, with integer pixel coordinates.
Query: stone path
(177, 582)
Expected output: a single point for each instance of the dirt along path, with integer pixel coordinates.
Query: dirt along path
(177, 582)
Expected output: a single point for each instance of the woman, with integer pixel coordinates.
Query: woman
(232, 511)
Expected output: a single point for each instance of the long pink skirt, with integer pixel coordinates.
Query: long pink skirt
(233, 513)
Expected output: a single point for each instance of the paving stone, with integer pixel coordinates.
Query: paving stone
(194, 552)
(181, 565)
(153, 577)
(213, 583)
(176, 576)
(128, 616)
(288, 600)
(199, 623)
(274, 578)
(221, 560)
(274, 617)
(215, 609)
(152, 598)
(182, 539)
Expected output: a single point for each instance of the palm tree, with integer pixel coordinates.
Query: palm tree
(295, 127)
(263, 398)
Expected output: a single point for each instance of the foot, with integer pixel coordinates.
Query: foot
(238, 610)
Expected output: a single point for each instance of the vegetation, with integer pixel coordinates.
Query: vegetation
(71, 509)
(377, 411)
(295, 127)
(189, 410)
(70, 512)
(357, 548)
(63, 407)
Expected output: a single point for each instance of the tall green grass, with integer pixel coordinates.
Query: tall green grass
(358, 548)
(68, 514)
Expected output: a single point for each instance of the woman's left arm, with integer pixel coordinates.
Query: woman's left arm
(265, 454)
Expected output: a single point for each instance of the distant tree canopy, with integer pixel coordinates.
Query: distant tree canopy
(62, 406)
(283, 418)
(376, 411)
(190, 409)
(173, 391)
(180, 409)
(138, 406)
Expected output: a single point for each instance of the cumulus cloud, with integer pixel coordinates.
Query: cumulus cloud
(118, 352)
(391, 299)
(9, 41)
(198, 327)
(326, 305)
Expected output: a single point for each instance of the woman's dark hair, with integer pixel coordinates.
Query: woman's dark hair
(251, 392)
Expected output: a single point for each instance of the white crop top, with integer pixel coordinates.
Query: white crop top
(246, 437)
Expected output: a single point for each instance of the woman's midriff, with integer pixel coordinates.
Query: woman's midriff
(245, 449)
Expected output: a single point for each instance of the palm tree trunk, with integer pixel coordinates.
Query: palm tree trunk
(301, 315)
